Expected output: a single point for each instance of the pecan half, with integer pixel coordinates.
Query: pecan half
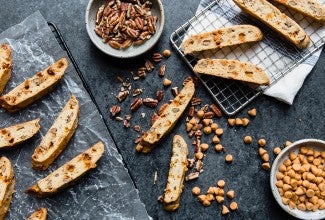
(135, 105)
(157, 57)
(161, 71)
(115, 109)
(191, 111)
(196, 101)
(142, 72)
(150, 102)
(216, 110)
(159, 95)
(122, 95)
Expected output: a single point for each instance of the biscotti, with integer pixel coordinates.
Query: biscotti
(275, 19)
(166, 121)
(68, 173)
(57, 137)
(232, 69)
(35, 87)
(18, 133)
(176, 176)
(223, 37)
(310, 8)
(7, 185)
(5, 65)
(40, 214)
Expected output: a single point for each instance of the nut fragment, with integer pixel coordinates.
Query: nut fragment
(159, 95)
(122, 95)
(196, 101)
(162, 70)
(150, 102)
(115, 109)
(136, 103)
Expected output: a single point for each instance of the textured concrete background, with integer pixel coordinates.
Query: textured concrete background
(275, 121)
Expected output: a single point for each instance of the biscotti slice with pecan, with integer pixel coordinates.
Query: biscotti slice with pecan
(310, 8)
(232, 69)
(35, 87)
(7, 185)
(166, 121)
(13, 135)
(68, 173)
(5, 65)
(176, 175)
(57, 137)
(275, 19)
(40, 214)
(223, 37)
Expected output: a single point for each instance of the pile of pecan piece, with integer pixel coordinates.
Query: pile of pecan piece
(127, 22)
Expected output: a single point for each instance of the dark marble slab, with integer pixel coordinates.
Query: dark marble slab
(276, 122)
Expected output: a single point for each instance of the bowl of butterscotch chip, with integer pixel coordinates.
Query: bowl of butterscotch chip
(298, 179)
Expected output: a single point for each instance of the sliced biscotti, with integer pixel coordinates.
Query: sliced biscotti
(166, 121)
(223, 37)
(35, 87)
(57, 137)
(275, 19)
(40, 214)
(232, 69)
(176, 175)
(13, 135)
(5, 65)
(68, 173)
(7, 185)
(310, 8)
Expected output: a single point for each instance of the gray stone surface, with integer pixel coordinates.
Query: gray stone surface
(276, 122)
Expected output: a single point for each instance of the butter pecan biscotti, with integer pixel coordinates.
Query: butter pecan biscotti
(232, 69)
(176, 175)
(275, 19)
(57, 137)
(35, 87)
(223, 37)
(7, 185)
(68, 173)
(40, 214)
(5, 65)
(16, 134)
(166, 121)
(310, 8)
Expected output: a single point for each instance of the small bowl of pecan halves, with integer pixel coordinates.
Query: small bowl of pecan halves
(124, 28)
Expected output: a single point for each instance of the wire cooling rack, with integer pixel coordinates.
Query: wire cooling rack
(273, 54)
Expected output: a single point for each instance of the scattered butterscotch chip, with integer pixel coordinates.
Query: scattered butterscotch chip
(266, 166)
(287, 143)
(206, 203)
(248, 139)
(229, 158)
(214, 126)
(245, 121)
(261, 151)
(231, 194)
(238, 122)
(252, 112)
(196, 190)
(221, 183)
(201, 198)
(200, 114)
(207, 130)
(215, 139)
(218, 148)
(167, 82)
(276, 150)
(265, 157)
(220, 199)
(210, 197)
(231, 122)
(166, 53)
(261, 142)
(233, 206)
(199, 155)
(219, 131)
(204, 147)
(225, 210)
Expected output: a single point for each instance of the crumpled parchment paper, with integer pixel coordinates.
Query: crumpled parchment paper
(107, 192)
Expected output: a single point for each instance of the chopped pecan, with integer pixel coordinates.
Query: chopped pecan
(115, 109)
(216, 110)
(154, 118)
(126, 123)
(196, 101)
(190, 162)
(157, 57)
(192, 176)
(122, 95)
(118, 118)
(142, 72)
(161, 71)
(162, 108)
(191, 111)
(208, 115)
(159, 95)
(150, 102)
(149, 65)
(137, 92)
(199, 165)
(175, 91)
(137, 128)
(135, 105)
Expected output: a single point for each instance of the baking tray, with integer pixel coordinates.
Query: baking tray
(273, 53)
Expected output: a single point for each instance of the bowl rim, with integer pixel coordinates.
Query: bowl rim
(153, 43)
(273, 173)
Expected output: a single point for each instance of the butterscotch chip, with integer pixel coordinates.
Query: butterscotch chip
(233, 206)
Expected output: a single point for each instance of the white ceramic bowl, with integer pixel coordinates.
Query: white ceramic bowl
(133, 51)
(312, 143)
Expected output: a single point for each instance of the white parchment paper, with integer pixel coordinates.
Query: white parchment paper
(107, 192)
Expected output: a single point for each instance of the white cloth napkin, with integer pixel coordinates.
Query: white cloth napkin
(287, 87)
